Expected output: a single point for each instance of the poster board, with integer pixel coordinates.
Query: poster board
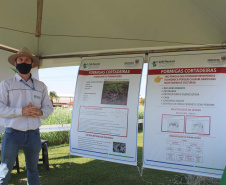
(184, 122)
(105, 113)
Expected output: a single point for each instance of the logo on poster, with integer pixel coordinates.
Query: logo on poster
(214, 60)
(154, 63)
(91, 65)
(217, 61)
(158, 79)
(132, 63)
(223, 57)
(137, 61)
(163, 63)
(84, 65)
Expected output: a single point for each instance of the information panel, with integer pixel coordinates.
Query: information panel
(184, 123)
(105, 112)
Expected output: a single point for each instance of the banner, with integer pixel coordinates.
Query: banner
(105, 112)
(184, 122)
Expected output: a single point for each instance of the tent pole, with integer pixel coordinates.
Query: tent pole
(39, 18)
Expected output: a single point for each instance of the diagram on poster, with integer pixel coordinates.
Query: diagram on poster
(184, 114)
(105, 112)
(173, 123)
(198, 125)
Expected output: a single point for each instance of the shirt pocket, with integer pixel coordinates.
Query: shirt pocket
(37, 99)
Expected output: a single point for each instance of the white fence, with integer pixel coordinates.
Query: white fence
(54, 128)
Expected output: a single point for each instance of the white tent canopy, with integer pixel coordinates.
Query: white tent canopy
(87, 26)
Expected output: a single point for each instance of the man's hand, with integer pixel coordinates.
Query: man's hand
(31, 111)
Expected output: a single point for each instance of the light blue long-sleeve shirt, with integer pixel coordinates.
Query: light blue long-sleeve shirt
(14, 95)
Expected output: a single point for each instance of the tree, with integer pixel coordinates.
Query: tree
(53, 95)
(142, 100)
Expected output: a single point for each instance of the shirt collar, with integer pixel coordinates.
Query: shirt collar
(18, 77)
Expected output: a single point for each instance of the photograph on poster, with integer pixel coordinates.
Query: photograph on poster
(115, 92)
(119, 147)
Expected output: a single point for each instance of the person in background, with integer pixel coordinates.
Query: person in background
(23, 102)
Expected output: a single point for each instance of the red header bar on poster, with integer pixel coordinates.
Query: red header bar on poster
(187, 70)
(110, 72)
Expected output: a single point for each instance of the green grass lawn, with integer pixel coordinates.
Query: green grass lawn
(86, 171)
(81, 170)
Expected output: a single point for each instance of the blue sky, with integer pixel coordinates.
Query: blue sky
(62, 80)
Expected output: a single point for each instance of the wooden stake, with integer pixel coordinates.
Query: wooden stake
(39, 18)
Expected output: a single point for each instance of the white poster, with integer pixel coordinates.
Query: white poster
(184, 123)
(105, 112)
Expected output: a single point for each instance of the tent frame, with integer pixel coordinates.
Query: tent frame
(148, 51)
(135, 52)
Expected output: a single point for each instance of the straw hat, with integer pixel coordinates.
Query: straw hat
(23, 52)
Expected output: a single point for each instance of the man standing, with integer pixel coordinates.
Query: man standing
(23, 101)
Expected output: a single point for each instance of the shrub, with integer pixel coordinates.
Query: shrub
(141, 112)
(142, 100)
(59, 116)
(56, 138)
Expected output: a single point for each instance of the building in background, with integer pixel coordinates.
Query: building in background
(65, 101)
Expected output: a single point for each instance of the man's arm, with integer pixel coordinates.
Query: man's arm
(6, 111)
(46, 105)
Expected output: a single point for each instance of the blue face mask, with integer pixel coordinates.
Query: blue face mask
(23, 68)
